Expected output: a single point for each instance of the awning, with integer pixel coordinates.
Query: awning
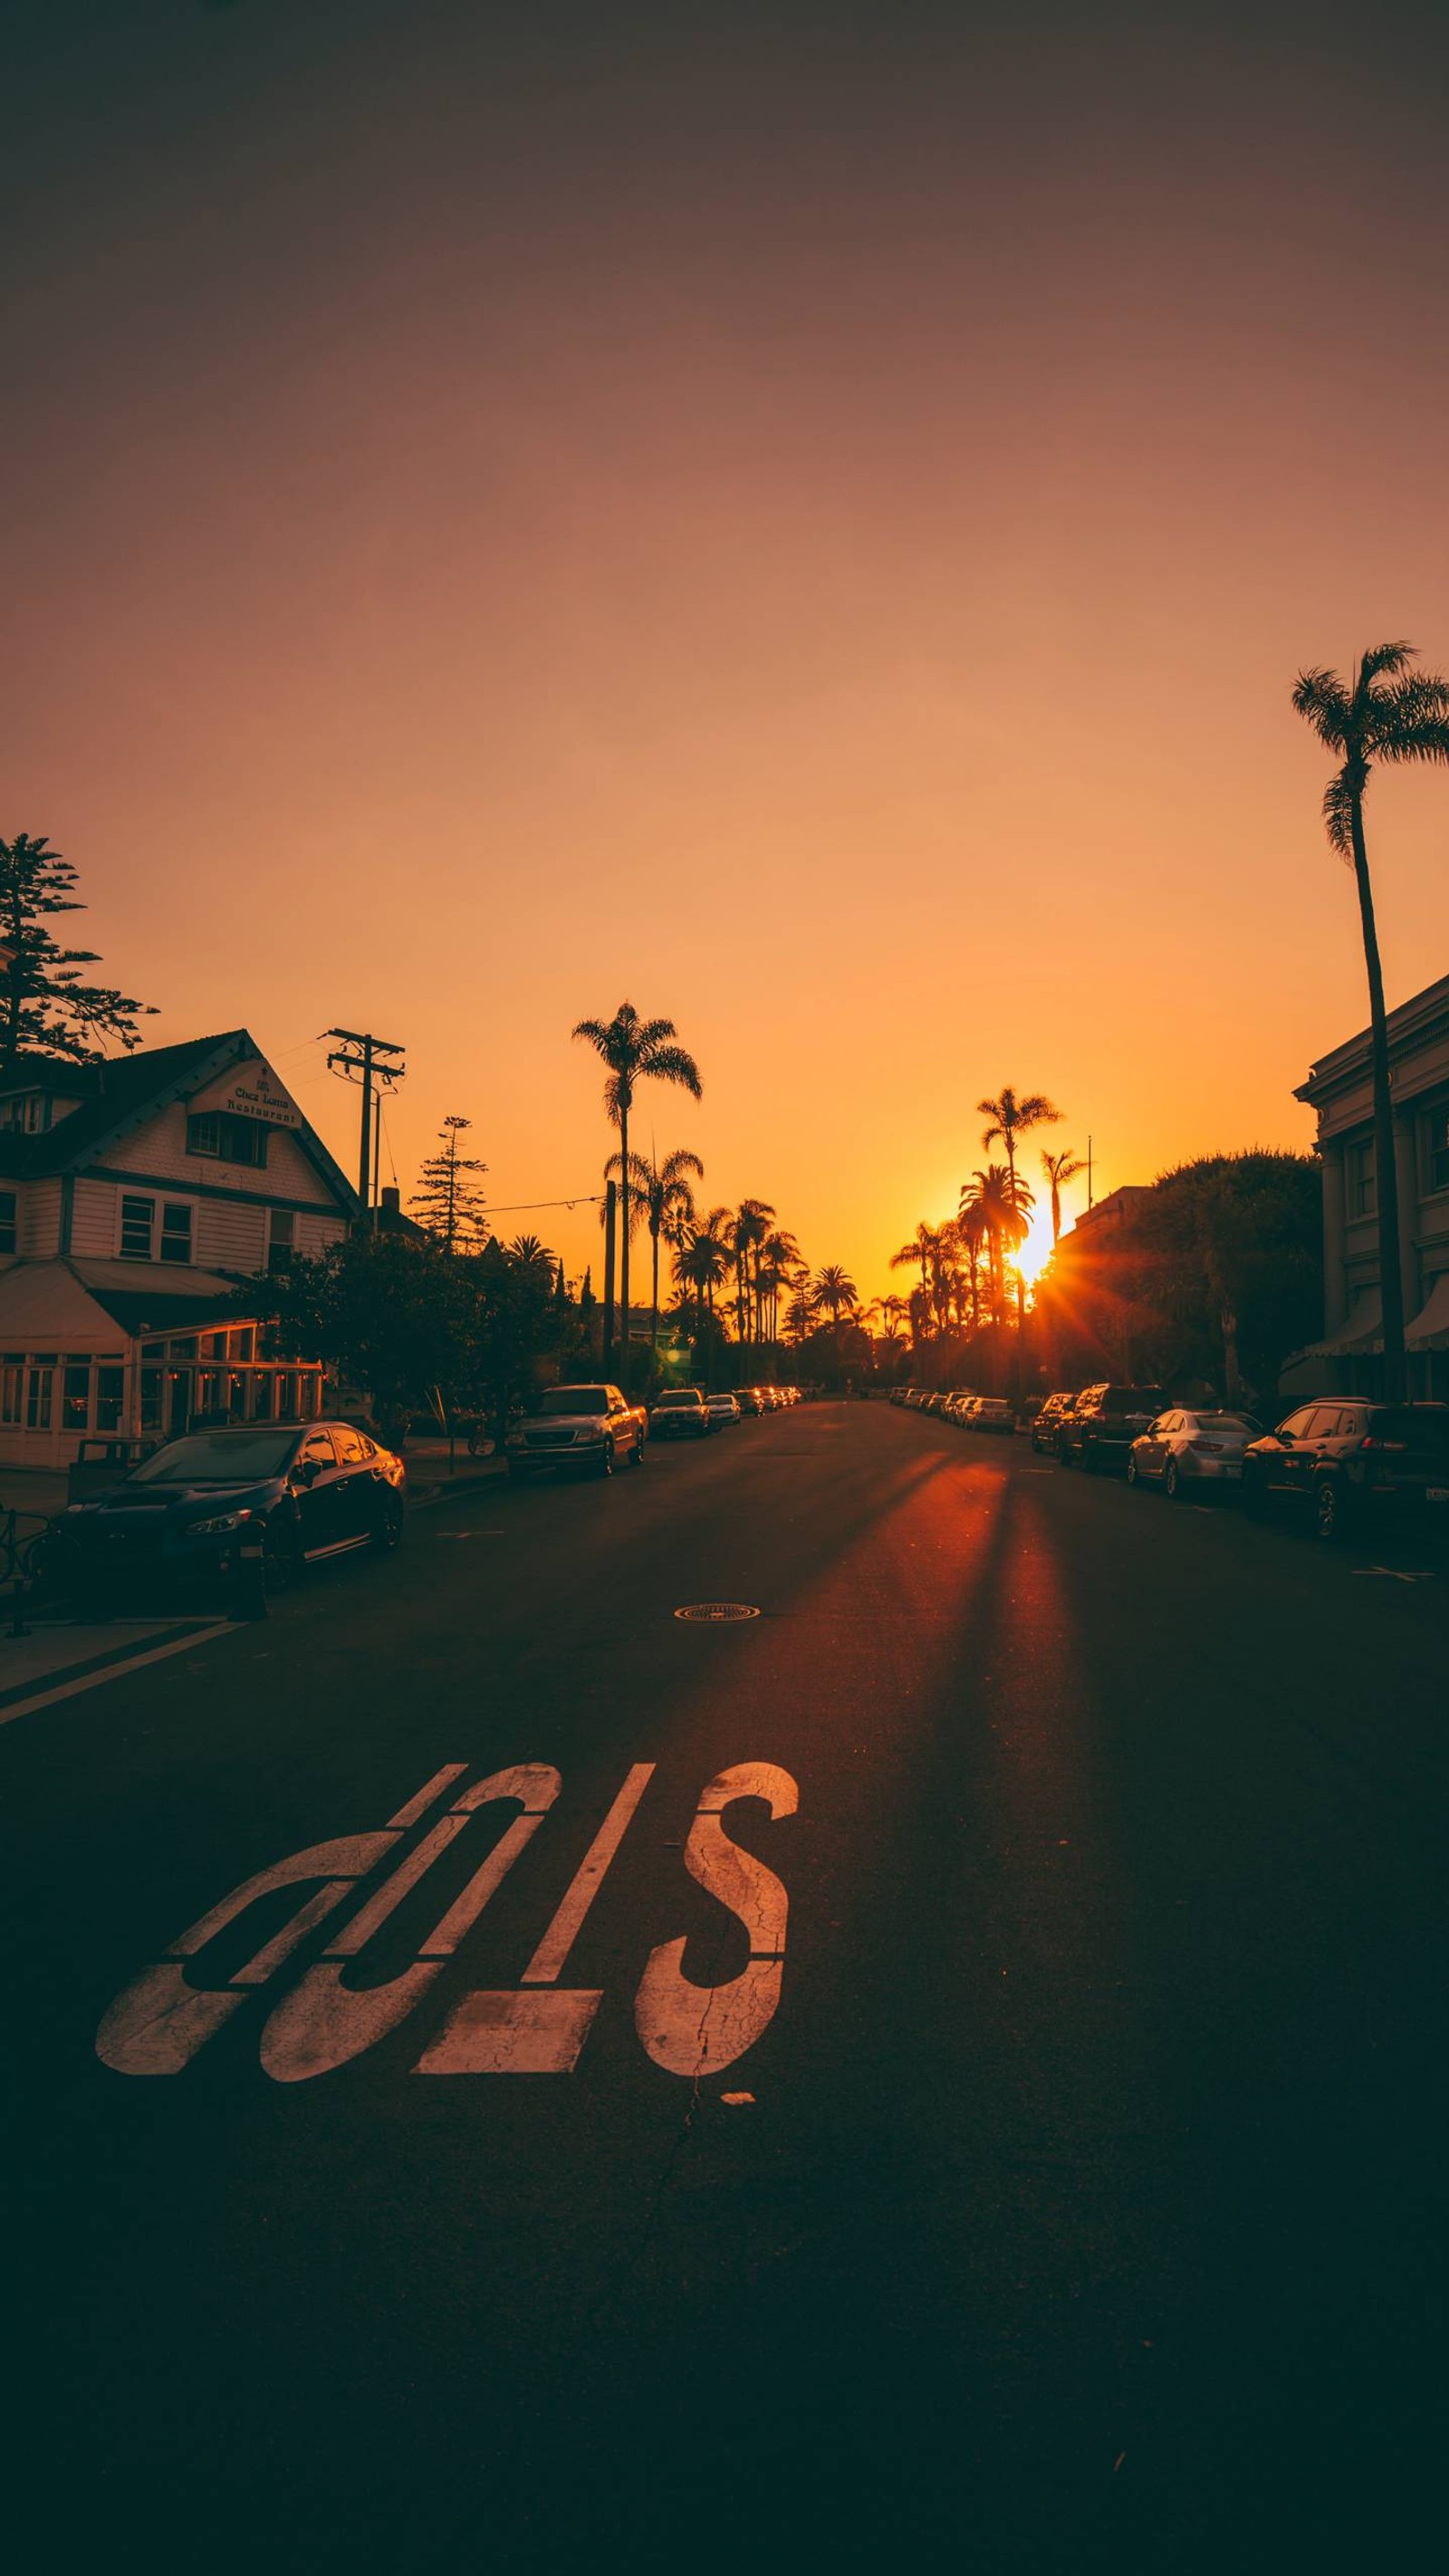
(1429, 1330)
(1363, 1333)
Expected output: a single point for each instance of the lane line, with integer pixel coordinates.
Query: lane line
(116, 1672)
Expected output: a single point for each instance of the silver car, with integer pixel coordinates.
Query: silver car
(588, 1427)
(722, 1409)
(1189, 1449)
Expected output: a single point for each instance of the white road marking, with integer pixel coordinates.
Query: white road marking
(431, 1789)
(158, 2022)
(537, 2032)
(1393, 1574)
(115, 1672)
(323, 2023)
(694, 2030)
(551, 1956)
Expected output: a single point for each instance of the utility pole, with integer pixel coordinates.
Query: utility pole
(1089, 1171)
(611, 1227)
(357, 1055)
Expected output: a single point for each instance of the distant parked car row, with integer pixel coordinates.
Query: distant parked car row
(595, 1428)
(1343, 1465)
(960, 1405)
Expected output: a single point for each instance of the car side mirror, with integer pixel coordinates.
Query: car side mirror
(1284, 1435)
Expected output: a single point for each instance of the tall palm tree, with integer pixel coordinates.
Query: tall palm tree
(1001, 1202)
(751, 1225)
(664, 1201)
(1387, 712)
(779, 1256)
(974, 1228)
(1007, 1118)
(704, 1258)
(834, 1291)
(1059, 1169)
(635, 1050)
(923, 1247)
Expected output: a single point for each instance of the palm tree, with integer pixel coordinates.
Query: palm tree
(665, 1203)
(890, 1313)
(1001, 1204)
(1059, 1169)
(751, 1225)
(924, 1247)
(635, 1050)
(1007, 1119)
(528, 1253)
(974, 1228)
(1388, 713)
(703, 1260)
(834, 1291)
(779, 1256)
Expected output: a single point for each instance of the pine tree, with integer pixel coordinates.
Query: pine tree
(45, 1008)
(447, 1201)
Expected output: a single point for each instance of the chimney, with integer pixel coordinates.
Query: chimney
(391, 1201)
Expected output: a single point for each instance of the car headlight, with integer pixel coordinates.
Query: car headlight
(590, 1431)
(215, 1526)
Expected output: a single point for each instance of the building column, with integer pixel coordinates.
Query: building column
(1335, 1289)
(1406, 1173)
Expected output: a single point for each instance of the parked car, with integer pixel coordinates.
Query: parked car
(180, 1519)
(1196, 1450)
(749, 1399)
(591, 1427)
(680, 1413)
(992, 1413)
(1044, 1424)
(1104, 1422)
(1345, 1465)
(722, 1409)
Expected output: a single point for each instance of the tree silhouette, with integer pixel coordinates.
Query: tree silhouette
(634, 1051)
(448, 1200)
(45, 1008)
(1059, 1169)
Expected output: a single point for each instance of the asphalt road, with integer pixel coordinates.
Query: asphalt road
(1083, 2206)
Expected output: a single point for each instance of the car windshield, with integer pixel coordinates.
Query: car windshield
(684, 1395)
(574, 1399)
(217, 1458)
(1133, 1399)
(1226, 1421)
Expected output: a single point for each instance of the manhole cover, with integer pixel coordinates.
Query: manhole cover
(717, 1610)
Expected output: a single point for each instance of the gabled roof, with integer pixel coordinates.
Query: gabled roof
(121, 1093)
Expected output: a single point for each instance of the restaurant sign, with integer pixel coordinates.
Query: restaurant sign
(252, 1092)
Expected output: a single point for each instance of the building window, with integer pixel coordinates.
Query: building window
(243, 1342)
(226, 1139)
(75, 1396)
(8, 1240)
(12, 1385)
(110, 1398)
(1362, 1188)
(137, 1219)
(39, 1384)
(176, 1231)
(1438, 1144)
(152, 1382)
(281, 1239)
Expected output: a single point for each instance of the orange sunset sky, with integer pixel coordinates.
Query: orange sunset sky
(803, 518)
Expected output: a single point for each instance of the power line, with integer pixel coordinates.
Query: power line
(519, 1207)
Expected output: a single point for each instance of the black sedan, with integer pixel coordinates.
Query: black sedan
(183, 1520)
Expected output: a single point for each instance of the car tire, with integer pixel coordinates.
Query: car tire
(606, 1459)
(282, 1559)
(1171, 1480)
(1089, 1457)
(637, 1456)
(1330, 1514)
(387, 1532)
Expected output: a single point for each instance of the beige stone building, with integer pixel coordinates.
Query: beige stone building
(1339, 1091)
(140, 1200)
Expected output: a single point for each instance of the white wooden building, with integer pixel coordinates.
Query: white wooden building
(141, 1200)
